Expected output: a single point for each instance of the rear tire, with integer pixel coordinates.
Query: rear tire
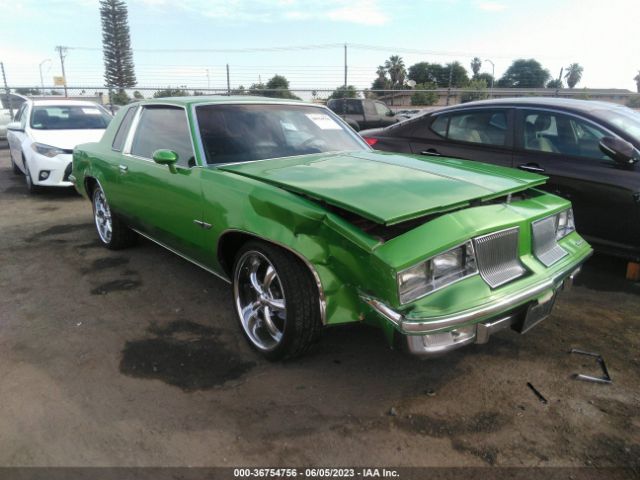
(112, 231)
(277, 301)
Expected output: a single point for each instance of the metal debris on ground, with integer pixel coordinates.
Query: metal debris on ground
(606, 378)
(538, 394)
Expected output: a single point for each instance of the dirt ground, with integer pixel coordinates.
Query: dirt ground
(134, 358)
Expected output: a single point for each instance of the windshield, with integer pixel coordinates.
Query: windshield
(72, 117)
(623, 118)
(241, 133)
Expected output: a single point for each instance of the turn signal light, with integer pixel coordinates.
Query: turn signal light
(371, 141)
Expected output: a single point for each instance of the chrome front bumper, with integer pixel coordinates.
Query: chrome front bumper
(440, 334)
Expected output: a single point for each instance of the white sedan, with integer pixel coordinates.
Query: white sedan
(43, 135)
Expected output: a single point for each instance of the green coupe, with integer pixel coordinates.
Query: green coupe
(312, 228)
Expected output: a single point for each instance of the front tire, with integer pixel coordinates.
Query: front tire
(276, 300)
(14, 167)
(112, 231)
(31, 188)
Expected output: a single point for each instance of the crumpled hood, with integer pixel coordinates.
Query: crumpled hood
(66, 139)
(388, 188)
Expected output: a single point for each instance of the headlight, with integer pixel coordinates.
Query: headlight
(564, 223)
(436, 272)
(46, 150)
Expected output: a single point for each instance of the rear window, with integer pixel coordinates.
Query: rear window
(71, 117)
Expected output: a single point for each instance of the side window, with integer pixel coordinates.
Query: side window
(481, 126)
(369, 108)
(564, 134)
(336, 105)
(163, 127)
(440, 124)
(381, 109)
(354, 107)
(123, 129)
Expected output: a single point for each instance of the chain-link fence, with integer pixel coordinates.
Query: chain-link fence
(396, 99)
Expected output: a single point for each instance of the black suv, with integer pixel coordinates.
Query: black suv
(363, 113)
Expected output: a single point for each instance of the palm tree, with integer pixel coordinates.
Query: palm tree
(397, 71)
(637, 80)
(573, 74)
(381, 72)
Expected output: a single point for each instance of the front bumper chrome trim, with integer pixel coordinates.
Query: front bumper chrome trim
(421, 326)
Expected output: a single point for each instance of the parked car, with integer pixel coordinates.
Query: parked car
(8, 104)
(43, 134)
(313, 228)
(588, 149)
(362, 113)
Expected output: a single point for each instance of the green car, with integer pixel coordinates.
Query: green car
(312, 228)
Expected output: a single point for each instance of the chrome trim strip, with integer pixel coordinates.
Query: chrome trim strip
(314, 272)
(436, 323)
(221, 277)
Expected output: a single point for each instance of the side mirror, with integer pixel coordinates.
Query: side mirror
(166, 157)
(15, 127)
(619, 150)
(390, 113)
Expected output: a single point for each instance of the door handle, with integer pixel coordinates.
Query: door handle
(432, 151)
(531, 167)
(123, 168)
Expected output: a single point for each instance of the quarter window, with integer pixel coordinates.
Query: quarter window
(562, 134)
(485, 127)
(123, 129)
(163, 128)
(440, 124)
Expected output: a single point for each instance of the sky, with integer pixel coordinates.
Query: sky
(602, 36)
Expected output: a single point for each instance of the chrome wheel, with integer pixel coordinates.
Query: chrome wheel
(102, 216)
(260, 300)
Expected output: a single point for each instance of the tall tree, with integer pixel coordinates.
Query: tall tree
(344, 92)
(476, 65)
(116, 45)
(637, 80)
(573, 75)
(425, 72)
(396, 69)
(555, 83)
(457, 73)
(525, 74)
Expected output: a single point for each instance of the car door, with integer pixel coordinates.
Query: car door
(565, 147)
(164, 205)
(482, 134)
(16, 138)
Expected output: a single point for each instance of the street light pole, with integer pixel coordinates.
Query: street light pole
(40, 68)
(493, 77)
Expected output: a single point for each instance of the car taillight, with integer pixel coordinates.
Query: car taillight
(371, 141)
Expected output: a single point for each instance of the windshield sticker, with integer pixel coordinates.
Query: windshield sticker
(324, 121)
(289, 126)
(91, 111)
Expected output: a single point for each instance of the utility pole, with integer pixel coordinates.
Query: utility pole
(62, 51)
(6, 90)
(208, 81)
(228, 82)
(559, 81)
(345, 67)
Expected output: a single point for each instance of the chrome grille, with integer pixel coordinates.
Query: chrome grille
(545, 246)
(497, 256)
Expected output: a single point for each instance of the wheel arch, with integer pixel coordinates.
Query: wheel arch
(231, 241)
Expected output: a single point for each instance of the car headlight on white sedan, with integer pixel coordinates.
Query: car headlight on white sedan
(46, 150)
(436, 272)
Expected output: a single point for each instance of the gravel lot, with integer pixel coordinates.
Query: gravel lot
(134, 358)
